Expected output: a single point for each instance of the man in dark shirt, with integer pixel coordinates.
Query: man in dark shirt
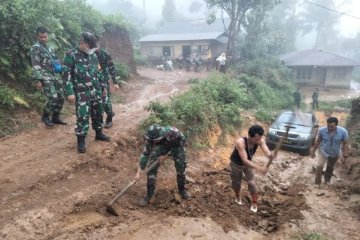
(241, 163)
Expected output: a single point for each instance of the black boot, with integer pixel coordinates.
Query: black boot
(46, 120)
(150, 192)
(102, 137)
(108, 122)
(183, 193)
(81, 144)
(56, 119)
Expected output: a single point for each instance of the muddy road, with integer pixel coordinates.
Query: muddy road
(48, 191)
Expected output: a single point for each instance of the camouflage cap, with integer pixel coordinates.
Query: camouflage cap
(154, 132)
(89, 39)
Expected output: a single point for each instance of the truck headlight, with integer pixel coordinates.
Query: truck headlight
(304, 136)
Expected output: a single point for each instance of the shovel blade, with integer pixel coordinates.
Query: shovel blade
(111, 210)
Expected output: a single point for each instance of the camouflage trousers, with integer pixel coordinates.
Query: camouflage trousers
(54, 92)
(107, 100)
(88, 105)
(179, 157)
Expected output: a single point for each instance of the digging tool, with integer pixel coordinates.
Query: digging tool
(280, 143)
(109, 205)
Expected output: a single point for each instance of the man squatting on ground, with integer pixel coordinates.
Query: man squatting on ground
(46, 68)
(85, 87)
(161, 141)
(329, 139)
(241, 163)
(107, 68)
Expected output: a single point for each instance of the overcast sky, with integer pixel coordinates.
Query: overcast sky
(349, 26)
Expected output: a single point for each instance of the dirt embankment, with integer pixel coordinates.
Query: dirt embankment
(48, 191)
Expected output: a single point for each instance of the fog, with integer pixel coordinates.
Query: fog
(147, 15)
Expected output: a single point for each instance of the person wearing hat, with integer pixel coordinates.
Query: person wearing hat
(85, 88)
(161, 141)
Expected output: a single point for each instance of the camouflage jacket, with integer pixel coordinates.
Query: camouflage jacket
(42, 62)
(81, 71)
(315, 96)
(172, 137)
(297, 96)
(107, 66)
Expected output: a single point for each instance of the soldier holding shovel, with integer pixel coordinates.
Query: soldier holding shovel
(161, 141)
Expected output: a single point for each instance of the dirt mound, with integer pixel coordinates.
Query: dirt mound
(212, 196)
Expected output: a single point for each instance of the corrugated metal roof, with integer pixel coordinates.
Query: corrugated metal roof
(182, 37)
(189, 30)
(316, 57)
(193, 26)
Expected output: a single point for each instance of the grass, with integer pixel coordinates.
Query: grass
(117, 99)
(308, 236)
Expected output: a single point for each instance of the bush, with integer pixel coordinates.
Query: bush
(308, 236)
(122, 70)
(214, 101)
(10, 98)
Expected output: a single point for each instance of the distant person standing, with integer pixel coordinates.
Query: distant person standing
(222, 63)
(297, 97)
(107, 68)
(315, 99)
(333, 142)
(208, 60)
(45, 68)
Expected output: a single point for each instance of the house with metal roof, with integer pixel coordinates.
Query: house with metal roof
(184, 38)
(319, 67)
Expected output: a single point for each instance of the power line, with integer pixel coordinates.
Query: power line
(333, 10)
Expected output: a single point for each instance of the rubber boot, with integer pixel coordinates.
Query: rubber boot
(101, 137)
(183, 193)
(81, 144)
(46, 120)
(56, 119)
(150, 192)
(108, 122)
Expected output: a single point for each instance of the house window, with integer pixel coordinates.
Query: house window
(204, 49)
(340, 73)
(166, 51)
(304, 73)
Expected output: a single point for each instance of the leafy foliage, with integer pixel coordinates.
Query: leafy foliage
(220, 100)
(65, 19)
(308, 236)
(243, 15)
(122, 70)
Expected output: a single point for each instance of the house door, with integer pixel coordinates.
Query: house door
(321, 76)
(186, 51)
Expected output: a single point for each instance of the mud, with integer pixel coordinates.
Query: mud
(48, 191)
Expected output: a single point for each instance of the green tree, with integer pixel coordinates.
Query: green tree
(239, 13)
(65, 19)
(169, 11)
(320, 19)
(283, 20)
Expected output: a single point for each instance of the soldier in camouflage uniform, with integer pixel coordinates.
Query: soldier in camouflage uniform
(297, 97)
(159, 142)
(85, 88)
(43, 59)
(107, 68)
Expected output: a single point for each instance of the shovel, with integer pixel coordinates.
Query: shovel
(109, 205)
(280, 143)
